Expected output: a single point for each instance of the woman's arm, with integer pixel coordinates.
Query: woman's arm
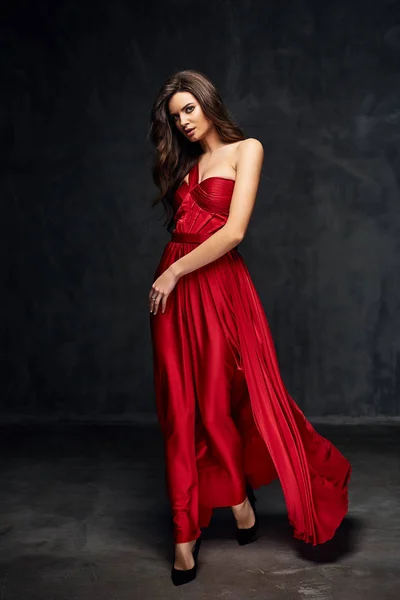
(248, 171)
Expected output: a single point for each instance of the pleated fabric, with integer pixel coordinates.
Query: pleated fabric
(223, 409)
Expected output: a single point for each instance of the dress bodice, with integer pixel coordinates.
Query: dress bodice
(202, 207)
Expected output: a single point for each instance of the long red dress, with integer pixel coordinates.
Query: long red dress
(225, 414)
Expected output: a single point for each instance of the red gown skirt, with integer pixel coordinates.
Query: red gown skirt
(224, 412)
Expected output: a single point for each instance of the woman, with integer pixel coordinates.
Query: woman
(228, 422)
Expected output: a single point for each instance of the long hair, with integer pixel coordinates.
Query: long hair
(174, 155)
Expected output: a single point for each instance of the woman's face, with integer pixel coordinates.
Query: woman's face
(188, 116)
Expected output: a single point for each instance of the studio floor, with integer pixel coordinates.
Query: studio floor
(84, 515)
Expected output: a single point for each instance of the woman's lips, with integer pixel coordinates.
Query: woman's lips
(190, 131)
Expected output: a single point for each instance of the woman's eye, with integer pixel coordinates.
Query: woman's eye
(188, 108)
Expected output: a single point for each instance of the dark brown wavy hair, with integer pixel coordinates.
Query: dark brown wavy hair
(174, 155)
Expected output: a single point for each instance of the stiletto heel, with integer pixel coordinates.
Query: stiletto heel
(182, 576)
(246, 536)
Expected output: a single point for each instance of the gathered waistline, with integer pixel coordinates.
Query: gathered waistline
(193, 238)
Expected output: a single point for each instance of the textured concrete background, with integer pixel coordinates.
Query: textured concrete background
(317, 82)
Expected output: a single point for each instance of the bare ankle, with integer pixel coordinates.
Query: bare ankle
(244, 514)
(241, 506)
(184, 555)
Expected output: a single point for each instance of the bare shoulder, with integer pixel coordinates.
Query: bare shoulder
(251, 146)
(249, 152)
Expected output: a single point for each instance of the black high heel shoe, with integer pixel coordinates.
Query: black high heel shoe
(246, 536)
(180, 576)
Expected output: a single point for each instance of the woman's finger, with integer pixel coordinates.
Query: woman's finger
(163, 303)
(155, 299)
(157, 302)
(152, 294)
(152, 298)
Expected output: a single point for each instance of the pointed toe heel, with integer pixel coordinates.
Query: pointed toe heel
(182, 576)
(246, 536)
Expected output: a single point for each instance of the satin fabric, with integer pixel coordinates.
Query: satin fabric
(225, 414)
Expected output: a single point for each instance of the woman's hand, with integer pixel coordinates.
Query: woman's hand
(161, 289)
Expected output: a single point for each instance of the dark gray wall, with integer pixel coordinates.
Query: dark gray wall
(317, 82)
